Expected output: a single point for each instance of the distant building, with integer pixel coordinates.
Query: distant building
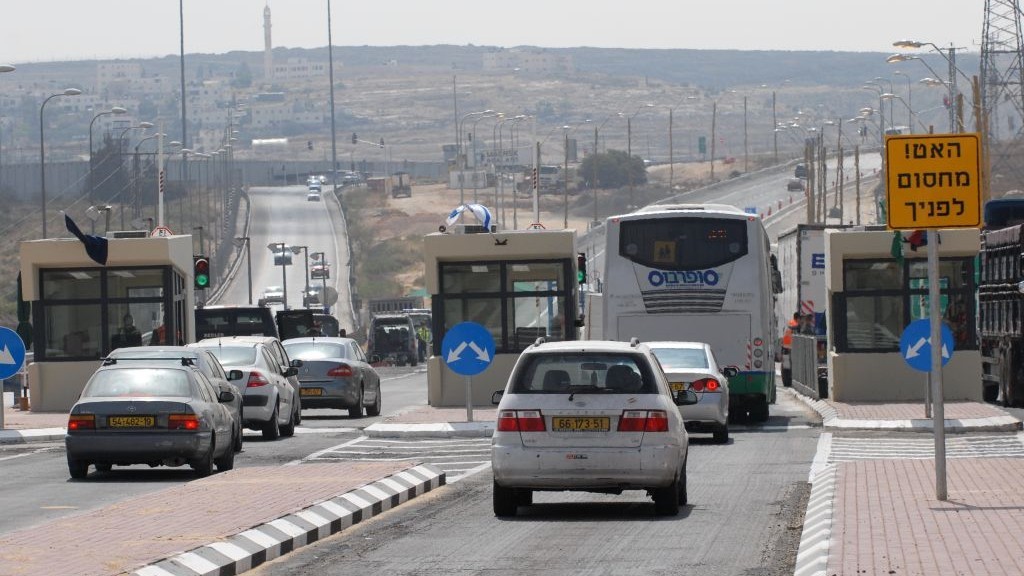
(527, 60)
(123, 73)
(299, 68)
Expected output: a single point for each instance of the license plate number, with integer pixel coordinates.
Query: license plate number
(311, 392)
(677, 386)
(131, 421)
(580, 423)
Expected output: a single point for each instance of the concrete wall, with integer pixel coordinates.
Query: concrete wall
(886, 377)
(446, 389)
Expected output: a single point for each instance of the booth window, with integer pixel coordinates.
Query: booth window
(880, 297)
(85, 313)
(517, 301)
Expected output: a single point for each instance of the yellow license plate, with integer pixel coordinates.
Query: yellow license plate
(131, 421)
(580, 423)
(677, 386)
(311, 392)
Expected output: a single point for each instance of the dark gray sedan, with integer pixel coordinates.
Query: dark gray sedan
(150, 413)
(335, 374)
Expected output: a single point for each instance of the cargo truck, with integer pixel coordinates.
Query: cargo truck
(1001, 301)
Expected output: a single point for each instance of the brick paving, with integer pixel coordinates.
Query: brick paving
(15, 419)
(147, 528)
(913, 410)
(887, 519)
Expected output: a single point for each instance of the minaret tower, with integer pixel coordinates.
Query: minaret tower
(268, 57)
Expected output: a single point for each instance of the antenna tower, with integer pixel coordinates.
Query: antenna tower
(1002, 76)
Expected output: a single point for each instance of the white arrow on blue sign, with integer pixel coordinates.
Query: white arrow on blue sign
(916, 346)
(467, 348)
(12, 353)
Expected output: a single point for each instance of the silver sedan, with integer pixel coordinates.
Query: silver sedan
(692, 366)
(335, 374)
(139, 413)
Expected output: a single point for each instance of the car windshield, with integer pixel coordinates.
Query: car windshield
(234, 355)
(585, 373)
(315, 350)
(138, 382)
(681, 358)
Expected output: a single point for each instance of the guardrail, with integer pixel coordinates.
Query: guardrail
(804, 364)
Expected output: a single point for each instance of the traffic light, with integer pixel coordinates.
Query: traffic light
(201, 272)
(581, 268)
(533, 179)
(355, 139)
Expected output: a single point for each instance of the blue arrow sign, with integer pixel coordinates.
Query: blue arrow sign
(12, 353)
(916, 347)
(468, 348)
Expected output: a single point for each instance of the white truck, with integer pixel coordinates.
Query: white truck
(801, 258)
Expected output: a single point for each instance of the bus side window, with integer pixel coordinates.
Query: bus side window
(777, 287)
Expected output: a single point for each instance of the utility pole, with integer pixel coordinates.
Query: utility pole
(856, 169)
(714, 116)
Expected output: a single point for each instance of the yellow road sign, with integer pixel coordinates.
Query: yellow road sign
(933, 181)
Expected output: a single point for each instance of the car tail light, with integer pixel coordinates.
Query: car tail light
(340, 371)
(643, 421)
(520, 421)
(256, 380)
(182, 422)
(81, 422)
(705, 385)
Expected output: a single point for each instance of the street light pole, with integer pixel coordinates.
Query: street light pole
(114, 110)
(42, 150)
(330, 76)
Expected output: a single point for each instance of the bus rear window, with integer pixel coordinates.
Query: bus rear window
(683, 243)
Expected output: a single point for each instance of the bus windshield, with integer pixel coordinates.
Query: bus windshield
(683, 243)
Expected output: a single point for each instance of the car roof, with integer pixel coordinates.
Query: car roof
(246, 341)
(310, 339)
(586, 346)
(676, 344)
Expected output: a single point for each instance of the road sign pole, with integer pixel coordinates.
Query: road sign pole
(938, 413)
(928, 395)
(469, 398)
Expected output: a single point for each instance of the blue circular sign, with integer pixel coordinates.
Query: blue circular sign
(12, 353)
(467, 348)
(916, 347)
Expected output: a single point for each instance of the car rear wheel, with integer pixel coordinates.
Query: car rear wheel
(270, 429)
(78, 469)
(237, 446)
(525, 497)
(666, 500)
(203, 467)
(104, 466)
(375, 409)
(357, 410)
(227, 460)
(722, 434)
(288, 429)
(683, 498)
(505, 501)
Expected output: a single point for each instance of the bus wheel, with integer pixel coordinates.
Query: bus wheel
(759, 412)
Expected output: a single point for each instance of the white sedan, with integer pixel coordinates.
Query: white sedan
(589, 416)
(692, 366)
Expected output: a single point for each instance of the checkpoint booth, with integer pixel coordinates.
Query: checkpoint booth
(82, 310)
(873, 297)
(519, 285)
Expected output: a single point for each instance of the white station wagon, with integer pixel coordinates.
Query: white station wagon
(594, 416)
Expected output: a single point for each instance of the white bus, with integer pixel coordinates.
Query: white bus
(701, 272)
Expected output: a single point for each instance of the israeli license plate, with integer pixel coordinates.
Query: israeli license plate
(131, 421)
(580, 423)
(311, 392)
(677, 386)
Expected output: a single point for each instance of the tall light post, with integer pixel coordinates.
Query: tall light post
(949, 84)
(671, 145)
(629, 150)
(910, 99)
(461, 159)
(3, 68)
(881, 114)
(330, 78)
(321, 257)
(473, 136)
(305, 294)
(42, 149)
(248, 258)
(114, 110)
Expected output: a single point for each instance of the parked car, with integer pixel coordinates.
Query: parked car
(202, 360)
(273, 295)
(800, 171)
(149, 413)
(335, 374)
(270, 399)
(692, 366)
(589, 416)
(795, 184)
(392, 338)
(217, 321)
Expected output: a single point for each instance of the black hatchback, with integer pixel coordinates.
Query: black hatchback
(217, 321)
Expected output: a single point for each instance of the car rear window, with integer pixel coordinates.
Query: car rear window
(234, 355)
(681, 358)
(124, 382)
(582, 373)
(315, 350)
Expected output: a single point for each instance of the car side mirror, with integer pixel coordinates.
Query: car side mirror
(290, 371)
(234, 375)
(296, 364)
(225, 396)
(686, 398)
(730, 371)
(496, 397)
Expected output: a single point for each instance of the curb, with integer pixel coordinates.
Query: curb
(812, 556)
(434, 430)
(32, 435)
(251, 548)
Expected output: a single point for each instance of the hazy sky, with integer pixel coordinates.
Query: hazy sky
(47, 30)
